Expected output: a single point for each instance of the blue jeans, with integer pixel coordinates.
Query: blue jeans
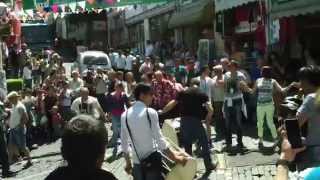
(116, 128)
(193, 131)
(138, 174)
(233, 115)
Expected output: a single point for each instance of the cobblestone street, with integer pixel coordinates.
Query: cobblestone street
(250, 165)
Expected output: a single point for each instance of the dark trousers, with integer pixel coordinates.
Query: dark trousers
(102, 101)
(218, 119)
(233, 115)
(138, 174)
(28, 83)
(193, 131)
(4, 160)
(66, 113)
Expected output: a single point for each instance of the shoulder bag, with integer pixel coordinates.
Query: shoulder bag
(154, 162)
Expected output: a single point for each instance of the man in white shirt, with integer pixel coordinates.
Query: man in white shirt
(17, 125)
(121, 62)
(149, 49)
(101, 83)
(140, 125)
(206, 83)
(147, 66)
(27, 75)
(88, 105)
(113, 57)
(129, 61)
(76, 83)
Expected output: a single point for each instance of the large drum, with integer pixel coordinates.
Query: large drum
(170, 130)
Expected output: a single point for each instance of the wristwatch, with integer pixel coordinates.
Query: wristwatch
(283, 162)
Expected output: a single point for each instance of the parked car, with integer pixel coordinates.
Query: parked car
(92, 60)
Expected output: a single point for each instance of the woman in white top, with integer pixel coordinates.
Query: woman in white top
(265, 88)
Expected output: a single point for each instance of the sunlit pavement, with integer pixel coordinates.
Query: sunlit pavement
(251, 164)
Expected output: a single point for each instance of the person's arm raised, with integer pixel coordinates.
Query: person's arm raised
(169, 106)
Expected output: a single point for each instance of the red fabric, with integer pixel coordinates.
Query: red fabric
(164, 91)
(288, 29)
(16, 26)
(55, 8)
(261, 37)
(10, 40)
(242, 14)
(56, 118)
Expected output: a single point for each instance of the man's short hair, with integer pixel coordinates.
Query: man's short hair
(234, 63)
(195, 82)
(266, 72)
(203, 69)
(310, 74)
(83, 142)
(142, 88)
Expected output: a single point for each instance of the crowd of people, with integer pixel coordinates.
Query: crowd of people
(136, 96)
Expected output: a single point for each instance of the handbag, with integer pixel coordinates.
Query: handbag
(154, 162)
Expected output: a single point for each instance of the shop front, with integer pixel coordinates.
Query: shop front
(295, 31)
(241, 24)
(192, 22)
(149, 24)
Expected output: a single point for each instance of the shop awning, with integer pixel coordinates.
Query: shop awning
(222, 5)
(287, 8)
(200, 12)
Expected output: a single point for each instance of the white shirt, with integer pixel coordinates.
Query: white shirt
(67, 98)
(16, 114)
(146, 139)
(27, 73)
(75, 85)
(206, 85)
(129, 61)
(149, 50)
(217, 92)
(121, 62)
(145, 68)
(89, 107)
(113, 58)
(101, 86)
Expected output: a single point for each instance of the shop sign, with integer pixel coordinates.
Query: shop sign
(245, 27)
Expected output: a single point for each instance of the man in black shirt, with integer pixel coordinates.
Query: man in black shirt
(83, 147)
(194, 106)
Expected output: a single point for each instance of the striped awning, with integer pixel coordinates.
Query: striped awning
(222, 5)
(287, 8)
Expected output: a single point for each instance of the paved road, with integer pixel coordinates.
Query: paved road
(250, 165)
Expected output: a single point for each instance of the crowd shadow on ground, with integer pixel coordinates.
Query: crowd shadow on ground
(249, 130)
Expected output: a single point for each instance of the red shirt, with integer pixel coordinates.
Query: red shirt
(56, 118)
(164, 91)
